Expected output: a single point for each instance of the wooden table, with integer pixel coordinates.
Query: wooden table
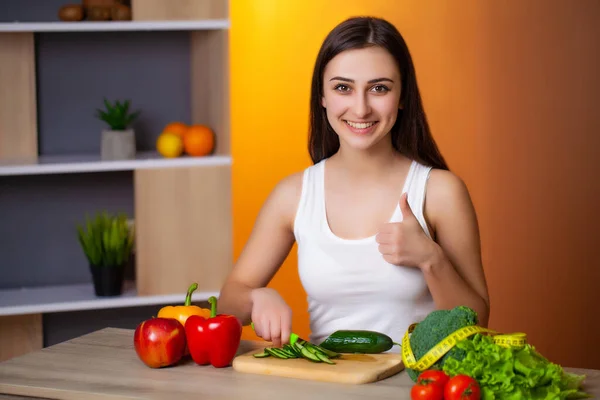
(103, 365)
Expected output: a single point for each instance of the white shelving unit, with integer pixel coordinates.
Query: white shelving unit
(107, 26)
(51, 299)
(92, 163)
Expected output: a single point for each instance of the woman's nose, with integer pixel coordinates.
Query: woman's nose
(361, 106)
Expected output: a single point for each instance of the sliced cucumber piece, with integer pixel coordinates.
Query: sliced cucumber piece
(282, 353)
(273, 351)
(299, 348)
(328, 353)
(289, 351)
(324, 358)
(261, 355)
(309, 356)
(296, 350)
(317, 352)
(302, 350)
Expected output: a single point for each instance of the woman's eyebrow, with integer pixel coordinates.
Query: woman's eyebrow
(376, 80)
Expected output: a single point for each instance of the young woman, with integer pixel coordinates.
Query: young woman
(373, 251)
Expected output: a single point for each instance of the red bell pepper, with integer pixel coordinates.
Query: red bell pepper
(214, 340)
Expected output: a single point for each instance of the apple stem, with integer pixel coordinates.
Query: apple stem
(188, 297)
(213, 306)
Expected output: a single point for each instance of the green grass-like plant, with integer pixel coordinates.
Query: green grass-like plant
(117, 115)
(106, 239)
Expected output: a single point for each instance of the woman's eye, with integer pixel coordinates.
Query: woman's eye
(341, 88)
(381, 89)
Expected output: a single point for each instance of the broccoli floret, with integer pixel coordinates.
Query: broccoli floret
(435, 328)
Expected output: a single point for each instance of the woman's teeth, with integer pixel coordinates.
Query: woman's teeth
(360, 125)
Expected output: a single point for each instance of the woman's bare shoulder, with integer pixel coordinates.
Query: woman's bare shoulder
(443, 182)
(446, 192)
(289, 188)
(285, 196)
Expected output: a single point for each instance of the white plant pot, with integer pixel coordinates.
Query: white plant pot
(118, 145)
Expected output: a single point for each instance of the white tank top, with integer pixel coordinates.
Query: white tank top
(348, 283)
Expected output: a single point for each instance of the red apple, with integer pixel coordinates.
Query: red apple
(159, 342)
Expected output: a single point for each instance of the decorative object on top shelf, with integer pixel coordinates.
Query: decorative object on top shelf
(118, 143)
(177, 138)
(107, 241)
(96, 10)
(71, 12)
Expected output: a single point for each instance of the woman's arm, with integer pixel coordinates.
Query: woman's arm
(454, 273)
(267, 247)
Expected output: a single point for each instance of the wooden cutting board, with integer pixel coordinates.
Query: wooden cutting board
(349, 368)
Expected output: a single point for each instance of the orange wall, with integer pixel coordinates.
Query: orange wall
(509, 90)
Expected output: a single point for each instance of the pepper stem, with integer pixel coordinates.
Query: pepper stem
(188, 297)
(213, 306)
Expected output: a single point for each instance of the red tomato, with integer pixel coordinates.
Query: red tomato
(427, 390)
(435, 376)
(462, 387)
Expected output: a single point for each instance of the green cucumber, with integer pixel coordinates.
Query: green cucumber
(261, 355)
(358, 341)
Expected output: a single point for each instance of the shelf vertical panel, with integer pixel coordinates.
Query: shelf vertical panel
(18, 109)
(210, 84)
(183, 224)
(165, 10)
(20, 334)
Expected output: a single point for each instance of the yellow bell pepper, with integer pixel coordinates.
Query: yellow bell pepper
(181, 313)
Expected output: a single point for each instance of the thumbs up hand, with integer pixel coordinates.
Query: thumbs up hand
(405, 243)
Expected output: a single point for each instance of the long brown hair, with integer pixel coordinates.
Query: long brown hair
(410, 134)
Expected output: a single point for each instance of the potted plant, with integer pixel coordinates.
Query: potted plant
(118, 142)
(107, 242)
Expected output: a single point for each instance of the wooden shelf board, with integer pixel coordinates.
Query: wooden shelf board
(50, 299)
(92, 163)
(105, 26)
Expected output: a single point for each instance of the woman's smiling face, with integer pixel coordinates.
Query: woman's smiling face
(361, 94)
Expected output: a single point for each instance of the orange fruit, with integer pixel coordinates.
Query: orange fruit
(199, 140)
(169, 145)
(177, 128)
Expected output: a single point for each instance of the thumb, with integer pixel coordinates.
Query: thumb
(405, 207)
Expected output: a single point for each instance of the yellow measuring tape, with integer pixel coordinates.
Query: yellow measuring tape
(438, 351)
